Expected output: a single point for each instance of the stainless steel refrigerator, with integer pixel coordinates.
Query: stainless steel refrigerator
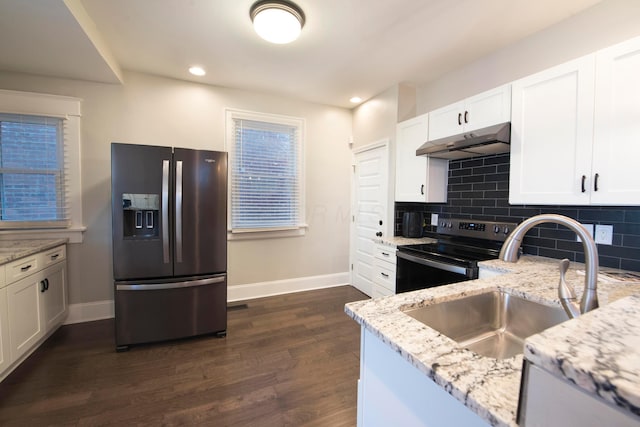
(169, 210)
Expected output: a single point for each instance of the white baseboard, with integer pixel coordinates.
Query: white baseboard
(89, 311)
(98, 310)
(286, 286)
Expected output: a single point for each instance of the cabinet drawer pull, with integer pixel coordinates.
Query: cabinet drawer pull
(459, 119)
(26, 267)
(595, 182)
(466, 117)
(55, 256)
(384, 254)
(385, 275)
(584, 177)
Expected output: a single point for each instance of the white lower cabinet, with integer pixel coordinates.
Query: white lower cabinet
(384, 271)
(25, 319)
(392, 392)
(5, 356)
(34, 304)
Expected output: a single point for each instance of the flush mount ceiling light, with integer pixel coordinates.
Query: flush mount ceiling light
(277, 21)
(356, 99)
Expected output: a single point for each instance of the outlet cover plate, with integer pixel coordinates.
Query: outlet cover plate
(589, 228)
(434, 219)
(604, 234)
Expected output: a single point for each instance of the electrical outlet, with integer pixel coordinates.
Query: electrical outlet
(434, 219)
(589, 228)
(604, 234)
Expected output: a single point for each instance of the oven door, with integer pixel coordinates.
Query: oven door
(415, 272)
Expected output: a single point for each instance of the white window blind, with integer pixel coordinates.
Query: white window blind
(33, 172)
(265, 172)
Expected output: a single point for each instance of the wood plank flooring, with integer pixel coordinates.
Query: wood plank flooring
(289, 360)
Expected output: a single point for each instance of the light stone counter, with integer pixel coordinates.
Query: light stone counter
(14, 249)
(396, 241)
(490, 387)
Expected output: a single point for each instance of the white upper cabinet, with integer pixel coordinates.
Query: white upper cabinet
(575, 130)
(418, 178)
(616, 148)
(479, 111)
(552, 135)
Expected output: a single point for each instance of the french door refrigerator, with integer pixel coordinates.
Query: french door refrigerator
(169, 210)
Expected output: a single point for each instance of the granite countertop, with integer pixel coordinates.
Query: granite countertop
(11, 250)
(396, 241)
(490, 387)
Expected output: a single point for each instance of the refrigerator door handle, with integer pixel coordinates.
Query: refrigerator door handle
(179, 211)
(165, 211)
(174, 285)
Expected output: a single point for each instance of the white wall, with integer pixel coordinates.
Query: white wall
(606, 23)
(157, 111)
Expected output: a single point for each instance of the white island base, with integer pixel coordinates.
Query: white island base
(392, 392)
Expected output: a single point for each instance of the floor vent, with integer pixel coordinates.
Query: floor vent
(237, 307)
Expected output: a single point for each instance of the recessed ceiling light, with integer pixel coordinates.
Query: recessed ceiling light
(356, 99)
(277, 21)
(197, 71)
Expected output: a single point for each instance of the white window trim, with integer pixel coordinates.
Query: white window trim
(38, 104)
(301, 228)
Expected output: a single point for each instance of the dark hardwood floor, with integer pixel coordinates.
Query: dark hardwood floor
(289, 360)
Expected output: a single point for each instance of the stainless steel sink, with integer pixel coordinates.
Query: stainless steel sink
(493, 324)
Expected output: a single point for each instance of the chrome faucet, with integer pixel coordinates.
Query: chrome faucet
(589, 301)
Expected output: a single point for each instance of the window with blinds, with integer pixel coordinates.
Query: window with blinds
(265, 172)
(32, 172)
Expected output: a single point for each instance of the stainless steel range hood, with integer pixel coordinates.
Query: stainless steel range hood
(482, 142)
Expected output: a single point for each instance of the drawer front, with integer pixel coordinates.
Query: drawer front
(384, 274)
(386, 253)
(23, 267)
(53, 255)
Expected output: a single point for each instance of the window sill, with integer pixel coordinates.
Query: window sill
(73, 234)
(267, 234)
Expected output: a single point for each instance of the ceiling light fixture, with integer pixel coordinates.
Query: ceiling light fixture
(277, 21)
(197, 71)
(356, 99)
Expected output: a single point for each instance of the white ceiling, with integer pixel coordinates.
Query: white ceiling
(347, 47)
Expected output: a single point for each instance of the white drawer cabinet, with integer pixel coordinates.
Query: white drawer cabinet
(384, 271)
(485, 109)
(5, 356)
(33, 302)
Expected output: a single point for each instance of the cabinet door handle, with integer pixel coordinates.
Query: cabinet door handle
(584, 178)
(459, 119)
(595, 182)
(385, 275)
(42, 286)
(422, 189)
(379, 234)
(466, 117)
(26, 267)
(46, 284)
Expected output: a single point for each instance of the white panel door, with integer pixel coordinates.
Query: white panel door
(616, 148)
(552, 135)
(371, 176)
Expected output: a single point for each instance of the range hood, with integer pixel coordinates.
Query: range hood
(481, 142)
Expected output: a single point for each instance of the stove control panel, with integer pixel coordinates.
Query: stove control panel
(478, 229)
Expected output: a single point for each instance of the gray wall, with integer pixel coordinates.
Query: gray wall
(158, 111)
(607, 23)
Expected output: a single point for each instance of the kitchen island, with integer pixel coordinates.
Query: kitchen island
(487, 388)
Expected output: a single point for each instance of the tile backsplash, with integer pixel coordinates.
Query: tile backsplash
(479, 189)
